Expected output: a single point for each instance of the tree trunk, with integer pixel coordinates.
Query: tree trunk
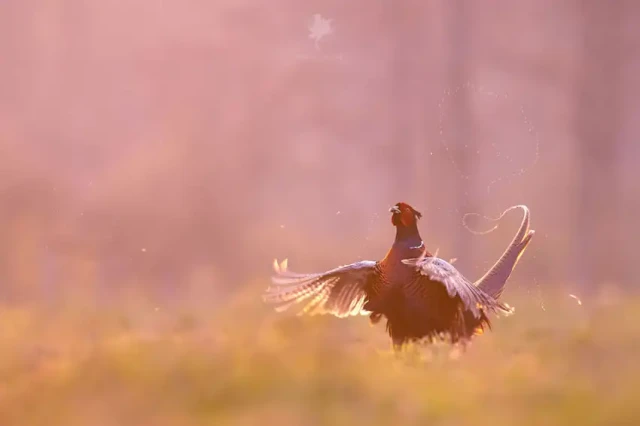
(461, 142)
(398, 148)
(597, 119)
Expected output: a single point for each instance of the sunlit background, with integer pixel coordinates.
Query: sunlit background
(162, 153)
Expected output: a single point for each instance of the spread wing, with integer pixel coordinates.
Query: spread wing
(339, 292)
(436, 270)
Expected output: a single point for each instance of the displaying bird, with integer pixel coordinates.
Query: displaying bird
(422, 297)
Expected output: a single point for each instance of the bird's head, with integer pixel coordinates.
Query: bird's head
(404, 216)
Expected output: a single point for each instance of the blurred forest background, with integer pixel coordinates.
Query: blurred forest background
(173, 149)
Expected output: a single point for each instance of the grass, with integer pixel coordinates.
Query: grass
(245, 365)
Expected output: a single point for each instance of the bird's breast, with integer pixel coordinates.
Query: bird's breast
(396, 273)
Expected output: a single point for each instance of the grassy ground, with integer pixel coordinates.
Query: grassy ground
(244, 365)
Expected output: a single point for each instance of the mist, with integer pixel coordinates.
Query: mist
(159, 147)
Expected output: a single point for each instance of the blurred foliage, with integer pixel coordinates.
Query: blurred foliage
(557, 364)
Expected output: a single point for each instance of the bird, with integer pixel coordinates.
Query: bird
(422, 297)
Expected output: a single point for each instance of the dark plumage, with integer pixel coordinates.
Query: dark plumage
(422, 296)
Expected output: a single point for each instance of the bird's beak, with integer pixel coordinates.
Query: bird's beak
(394, 209)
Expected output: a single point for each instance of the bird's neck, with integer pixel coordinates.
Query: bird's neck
(408, 236)
(408, 244)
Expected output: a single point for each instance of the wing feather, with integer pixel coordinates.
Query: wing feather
(340, 291)
(474, 299)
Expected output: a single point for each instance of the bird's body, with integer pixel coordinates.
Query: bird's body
(422, 296)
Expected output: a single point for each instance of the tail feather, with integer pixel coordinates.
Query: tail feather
(494, 281)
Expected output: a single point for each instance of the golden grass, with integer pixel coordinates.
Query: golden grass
(245, 365)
